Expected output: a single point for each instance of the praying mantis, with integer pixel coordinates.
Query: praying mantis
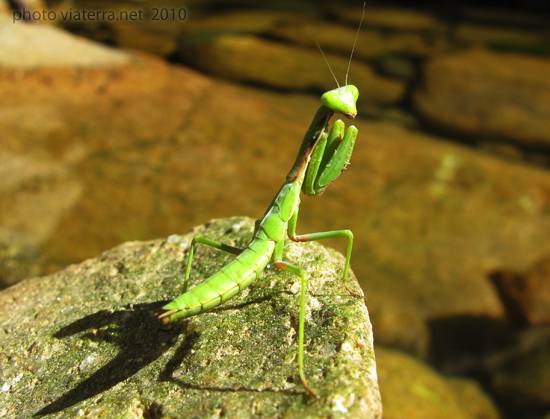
(322, 157)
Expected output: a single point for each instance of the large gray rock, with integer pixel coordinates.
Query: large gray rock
(85, 340)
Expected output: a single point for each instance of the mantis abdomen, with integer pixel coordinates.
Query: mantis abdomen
(223, 285)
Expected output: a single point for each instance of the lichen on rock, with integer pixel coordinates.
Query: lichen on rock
(85, 341)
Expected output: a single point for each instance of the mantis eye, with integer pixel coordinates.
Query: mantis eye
(342, 100)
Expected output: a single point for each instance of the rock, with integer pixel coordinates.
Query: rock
(503, 38)
(395, 66)
(384, 114)
(160, 36)
(29, 5)
(507, 17)
(473, 399)
(24, 46)
(86, 340)
(42, 150)
(526, 295)
(35, 193)
(433, 216)
(149, 37)
(411, 389)
(390, 18)
(521, 373)
(339, 39)
(398, 323)
(157, 148)
(250, 59)
(18, 260)
(241, 22)
(505, 151)
(487, 94)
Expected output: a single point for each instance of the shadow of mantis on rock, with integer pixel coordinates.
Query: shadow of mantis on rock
(139, 338)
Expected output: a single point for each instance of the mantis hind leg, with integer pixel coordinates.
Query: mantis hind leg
(302, 273)
(209, 242)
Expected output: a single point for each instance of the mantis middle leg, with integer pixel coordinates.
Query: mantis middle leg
(209, 242)
(321, 236)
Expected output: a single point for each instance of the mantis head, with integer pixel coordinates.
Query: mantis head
(342, 100)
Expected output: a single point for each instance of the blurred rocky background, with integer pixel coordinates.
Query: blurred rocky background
(136, 120)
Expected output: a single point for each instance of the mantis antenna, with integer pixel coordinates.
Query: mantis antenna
(352, 50)
(326, 61)
(354, 42)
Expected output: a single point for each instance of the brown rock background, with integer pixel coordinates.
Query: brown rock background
(448, 193)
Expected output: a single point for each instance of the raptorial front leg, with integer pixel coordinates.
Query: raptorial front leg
(330, 158)
(209, 242)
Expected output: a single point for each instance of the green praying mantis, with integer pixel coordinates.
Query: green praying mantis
(322, 157)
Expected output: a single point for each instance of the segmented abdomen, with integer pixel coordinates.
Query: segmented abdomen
(226, 283)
